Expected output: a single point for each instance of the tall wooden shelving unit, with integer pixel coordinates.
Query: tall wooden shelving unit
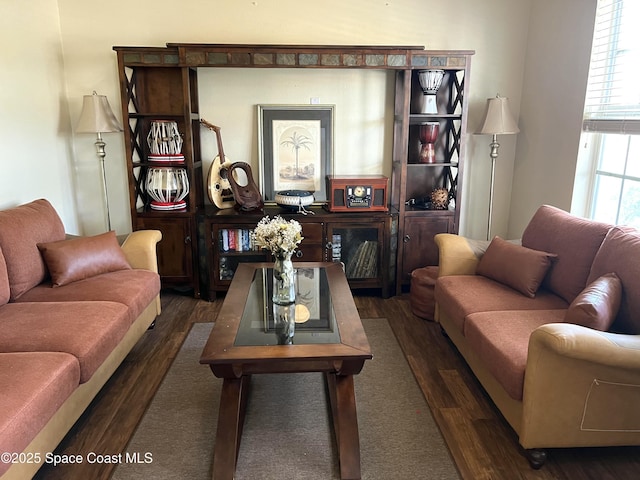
(161, 83)
(412, 181)
(155, 86)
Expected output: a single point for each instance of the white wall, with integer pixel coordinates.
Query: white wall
(555, 80)
(36, 160)
(495, 29)
(363, 128)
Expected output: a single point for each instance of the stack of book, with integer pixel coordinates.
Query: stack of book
(236, 240)
(336, 248)
(364, 262)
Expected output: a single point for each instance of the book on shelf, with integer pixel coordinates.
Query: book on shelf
(224, 240)
(336, 247)
(232, 239)
(236, 240)
(364, 262)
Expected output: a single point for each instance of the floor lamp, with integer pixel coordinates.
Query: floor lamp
(498, 121)
(97, 117)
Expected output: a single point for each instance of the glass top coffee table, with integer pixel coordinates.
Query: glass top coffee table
(243, 342)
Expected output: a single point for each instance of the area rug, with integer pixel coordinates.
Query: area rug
(287, 432)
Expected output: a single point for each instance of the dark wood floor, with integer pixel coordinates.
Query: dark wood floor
(481, 443)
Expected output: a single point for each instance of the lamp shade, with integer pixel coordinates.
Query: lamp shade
(498, 119)
(97, 116)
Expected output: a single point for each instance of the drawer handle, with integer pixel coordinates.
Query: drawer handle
(187, 239)
(298, 254)
(406, 239)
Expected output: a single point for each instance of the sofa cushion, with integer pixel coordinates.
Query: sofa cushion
(462, 295)
(501, 341)
(574, 240)
(619, 253)
(39, 383)
(5, 291)
(21, 229)
(134, 288)
(520, 268)
(78, 258)
(597, 305)
(87, 330)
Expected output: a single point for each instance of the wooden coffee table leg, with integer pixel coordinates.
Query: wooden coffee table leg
(233, 400)
(345, 423)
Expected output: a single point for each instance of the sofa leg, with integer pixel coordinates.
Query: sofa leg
(536, 456)
(152, 326)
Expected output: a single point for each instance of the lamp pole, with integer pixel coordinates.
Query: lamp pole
(101, 154)
(494, 155)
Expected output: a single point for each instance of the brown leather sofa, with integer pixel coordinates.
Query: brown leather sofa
(550, 327)
(71, 309)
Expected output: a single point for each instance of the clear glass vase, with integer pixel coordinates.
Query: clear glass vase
(284, 284)
(284, 321)
(284, 298)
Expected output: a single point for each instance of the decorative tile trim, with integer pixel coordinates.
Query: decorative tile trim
(151, 58)
(308, 59)
(396, 60)
(457, 61)
(194, 58)
(263, 59)
(330, 59)
(374, 60)
(217, 58)
(283, 56)
(419, 60)
(240, 59)
(132, 58)
(286, 59)
(352, 59)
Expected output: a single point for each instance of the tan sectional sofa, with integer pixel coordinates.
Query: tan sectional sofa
(561, 364)
(71, 309)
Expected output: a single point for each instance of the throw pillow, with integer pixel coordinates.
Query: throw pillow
(79, 258)
(21, 229)
(520, 268)
(597, 305)
(573, 239)
(619, 253)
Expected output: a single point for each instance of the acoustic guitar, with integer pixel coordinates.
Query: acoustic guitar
(218, 187)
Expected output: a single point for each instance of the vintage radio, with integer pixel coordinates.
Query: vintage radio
(353, 193)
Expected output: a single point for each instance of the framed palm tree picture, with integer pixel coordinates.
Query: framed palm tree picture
(295, 147)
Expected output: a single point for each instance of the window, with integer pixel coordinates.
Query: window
(611, 128)
(616, 189)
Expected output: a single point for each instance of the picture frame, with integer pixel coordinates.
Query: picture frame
(295, 149)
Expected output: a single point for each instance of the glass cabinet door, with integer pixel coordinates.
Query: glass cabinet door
(358, 247)
(233, 246)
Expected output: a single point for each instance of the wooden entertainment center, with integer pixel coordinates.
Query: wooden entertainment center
(161, 83)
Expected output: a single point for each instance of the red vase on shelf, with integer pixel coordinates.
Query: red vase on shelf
(428, 137)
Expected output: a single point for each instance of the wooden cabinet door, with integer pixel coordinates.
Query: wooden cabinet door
(175, 257)
(419, 248)
(312, 247)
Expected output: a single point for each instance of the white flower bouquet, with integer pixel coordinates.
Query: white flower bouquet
(277, 235)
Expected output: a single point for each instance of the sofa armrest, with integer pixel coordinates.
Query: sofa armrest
(140, 249)
(582, 343)
(459, 255)
(581, 388)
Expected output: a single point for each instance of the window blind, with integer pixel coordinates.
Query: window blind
(612, 102)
